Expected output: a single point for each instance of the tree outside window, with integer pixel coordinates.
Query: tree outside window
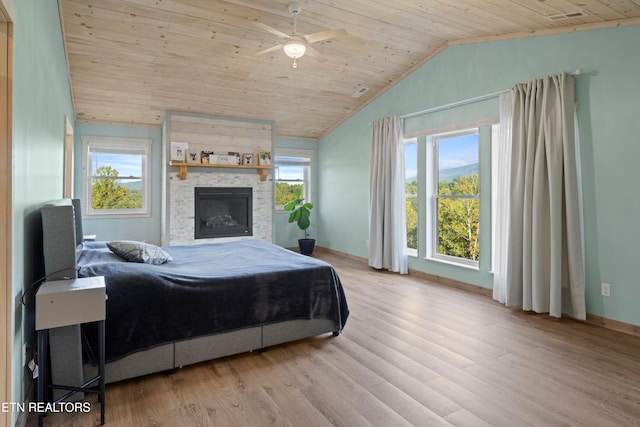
(411, 194)
(117, 176)
(456, 196)
(293, 171)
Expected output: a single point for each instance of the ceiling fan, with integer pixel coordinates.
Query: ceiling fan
(296, 45)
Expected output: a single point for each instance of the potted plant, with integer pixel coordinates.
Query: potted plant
(300, 212)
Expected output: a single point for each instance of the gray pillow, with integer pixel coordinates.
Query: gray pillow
(139, 252)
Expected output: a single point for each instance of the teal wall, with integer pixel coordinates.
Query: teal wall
(41, 101)
(285, 234)
(607, 93)
(142, 229)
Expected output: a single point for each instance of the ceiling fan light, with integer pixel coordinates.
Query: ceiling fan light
(295, 49)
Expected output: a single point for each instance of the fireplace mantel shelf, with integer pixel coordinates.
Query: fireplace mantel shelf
(262, 169)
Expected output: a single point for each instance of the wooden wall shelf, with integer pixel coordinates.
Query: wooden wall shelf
(262, 169)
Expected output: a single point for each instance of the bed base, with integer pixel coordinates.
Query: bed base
(175, 355)
(62, 231)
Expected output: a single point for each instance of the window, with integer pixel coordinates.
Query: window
(116, 176)
(454, 197)
(292, 170)
(411, 194)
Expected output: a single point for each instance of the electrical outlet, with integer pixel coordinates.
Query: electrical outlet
(606, 289)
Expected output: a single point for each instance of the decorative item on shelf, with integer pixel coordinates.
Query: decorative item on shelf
(179, 151)
(264, 158)
(300, 212)
(209, 159)
(204, 156)
(222, 159)
(193, 157)
(236, 155)
(247, 159)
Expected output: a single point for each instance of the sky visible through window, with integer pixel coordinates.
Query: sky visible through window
(126, 164)
(289, 171)
(453, 152)
(457, 151)
(411, 161)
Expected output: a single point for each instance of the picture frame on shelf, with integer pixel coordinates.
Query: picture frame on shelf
(264, 158)
(179, 151)
(193, 157)
(236, 155)
(204, 156)
(247, 159)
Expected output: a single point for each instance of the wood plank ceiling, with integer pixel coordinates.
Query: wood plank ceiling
(132, 60)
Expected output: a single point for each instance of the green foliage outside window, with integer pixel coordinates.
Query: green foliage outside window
(286, 192)
(108, 192)
(458, 218)
(411, 212)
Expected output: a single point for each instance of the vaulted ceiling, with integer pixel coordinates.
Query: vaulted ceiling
(132, 60)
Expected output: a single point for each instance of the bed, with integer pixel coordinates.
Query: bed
(208, 301)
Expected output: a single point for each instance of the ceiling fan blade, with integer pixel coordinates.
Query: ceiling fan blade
(325, 35)
(273, 30)
(271, 49)
(315, 54)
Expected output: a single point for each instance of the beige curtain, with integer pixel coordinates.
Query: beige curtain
(544, 266)
(387, 229)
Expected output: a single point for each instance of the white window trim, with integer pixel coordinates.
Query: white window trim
(308, 173)
(432, 191)
(137, 145)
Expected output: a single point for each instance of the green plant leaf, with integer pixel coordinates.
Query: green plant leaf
(293, 204)
(303, 220)
(300, 211)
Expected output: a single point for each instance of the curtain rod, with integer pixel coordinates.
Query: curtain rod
(577, 72)
(454, 104)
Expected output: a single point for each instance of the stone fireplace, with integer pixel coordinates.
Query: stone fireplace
(223, 212)
(223, 136)
(180, 217)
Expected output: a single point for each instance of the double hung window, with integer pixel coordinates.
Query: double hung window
(117, 176)
(292, 171)
(453, 197)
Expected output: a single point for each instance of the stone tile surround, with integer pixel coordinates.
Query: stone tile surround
(181, 203)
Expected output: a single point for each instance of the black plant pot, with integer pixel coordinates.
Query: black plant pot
(306, 246)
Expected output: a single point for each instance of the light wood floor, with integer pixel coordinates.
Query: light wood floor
(412, 353)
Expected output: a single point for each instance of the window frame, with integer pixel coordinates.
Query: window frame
(433, 196)
(306, 157)
(115, 145)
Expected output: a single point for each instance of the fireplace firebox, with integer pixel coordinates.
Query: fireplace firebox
(223, 212)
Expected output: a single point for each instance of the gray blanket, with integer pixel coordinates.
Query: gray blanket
(208, 289)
